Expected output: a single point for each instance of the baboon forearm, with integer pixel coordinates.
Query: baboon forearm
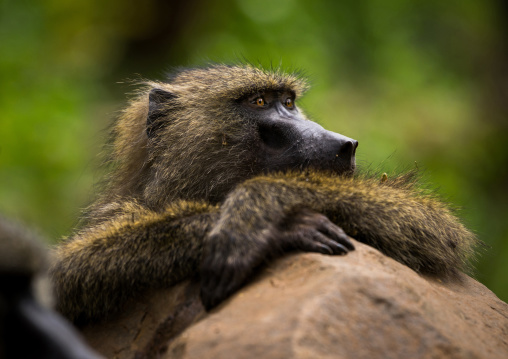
(412, 228)
(97, 269)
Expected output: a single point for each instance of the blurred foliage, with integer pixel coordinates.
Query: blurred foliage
(422, 81)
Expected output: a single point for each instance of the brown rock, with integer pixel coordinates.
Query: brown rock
(363, 305)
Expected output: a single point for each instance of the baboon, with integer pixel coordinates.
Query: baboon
(216, 171)
(28, 328)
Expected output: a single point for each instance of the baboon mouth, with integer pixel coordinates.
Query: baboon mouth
(340, 169)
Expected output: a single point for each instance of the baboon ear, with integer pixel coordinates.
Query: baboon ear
(158, 108)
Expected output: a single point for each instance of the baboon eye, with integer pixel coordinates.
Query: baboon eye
(289, 103)
(259, 101)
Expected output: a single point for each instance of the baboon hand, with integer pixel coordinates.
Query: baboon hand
(311, 231)
(231, 256)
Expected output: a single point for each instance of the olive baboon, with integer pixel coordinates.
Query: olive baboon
(216, 170)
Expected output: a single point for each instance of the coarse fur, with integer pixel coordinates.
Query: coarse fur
(192, 194)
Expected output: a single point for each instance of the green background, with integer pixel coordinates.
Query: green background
(413, 81)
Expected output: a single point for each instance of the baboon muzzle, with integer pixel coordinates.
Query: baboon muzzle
(300, 144)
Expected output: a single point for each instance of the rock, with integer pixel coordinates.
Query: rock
(362, 305)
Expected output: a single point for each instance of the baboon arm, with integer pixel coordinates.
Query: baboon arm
(97, 269)
(395, 217)
(411, 227)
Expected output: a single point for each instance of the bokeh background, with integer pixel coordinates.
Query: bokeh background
(422, 81)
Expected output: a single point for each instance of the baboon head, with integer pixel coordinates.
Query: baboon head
(206, 129)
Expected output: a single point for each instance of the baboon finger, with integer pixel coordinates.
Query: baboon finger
(338, 235)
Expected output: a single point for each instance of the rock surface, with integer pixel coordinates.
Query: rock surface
(362, 305)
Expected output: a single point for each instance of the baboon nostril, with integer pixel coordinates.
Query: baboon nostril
(348, 148)
(347, 154)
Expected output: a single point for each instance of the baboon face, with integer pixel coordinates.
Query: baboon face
(288, 140)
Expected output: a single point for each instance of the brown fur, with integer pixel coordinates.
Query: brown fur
(192, 199)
